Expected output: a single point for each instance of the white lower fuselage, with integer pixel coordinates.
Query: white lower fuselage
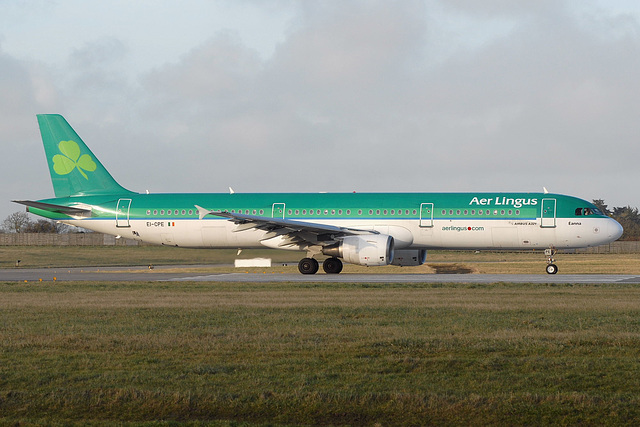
(407, 234)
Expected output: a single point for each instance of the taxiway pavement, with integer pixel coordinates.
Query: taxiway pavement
(175, 273)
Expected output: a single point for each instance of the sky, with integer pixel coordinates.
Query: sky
(335, 96)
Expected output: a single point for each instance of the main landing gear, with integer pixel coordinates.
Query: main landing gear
(311, 266)
(332, 266)
(551, 267)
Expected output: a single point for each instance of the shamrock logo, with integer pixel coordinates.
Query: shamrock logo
(70, 159)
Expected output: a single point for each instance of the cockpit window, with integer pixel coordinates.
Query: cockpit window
(588, 211)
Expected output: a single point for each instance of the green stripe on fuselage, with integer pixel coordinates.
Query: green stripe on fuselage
(334, 206)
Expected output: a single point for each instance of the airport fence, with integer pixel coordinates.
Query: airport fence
(65, 239)
(620, 247)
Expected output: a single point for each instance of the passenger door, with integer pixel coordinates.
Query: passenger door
(426, 215)
(548, 217)
(122, 213)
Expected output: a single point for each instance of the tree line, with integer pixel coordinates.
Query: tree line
(627, 216)
(20, 222)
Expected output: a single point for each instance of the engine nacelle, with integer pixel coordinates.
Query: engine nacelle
(370, 250)
(409, 257)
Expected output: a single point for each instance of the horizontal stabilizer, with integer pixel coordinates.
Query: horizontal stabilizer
(65, 210)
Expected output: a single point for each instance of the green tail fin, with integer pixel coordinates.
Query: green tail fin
(74, 169)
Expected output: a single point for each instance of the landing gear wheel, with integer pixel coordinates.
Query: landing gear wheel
(332, 266)
(308, 266)
(551, 267)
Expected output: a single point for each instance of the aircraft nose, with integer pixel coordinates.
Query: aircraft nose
(614, 229)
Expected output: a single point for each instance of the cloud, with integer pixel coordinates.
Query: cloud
(368, 96)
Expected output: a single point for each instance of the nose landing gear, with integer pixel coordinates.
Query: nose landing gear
(551, 267)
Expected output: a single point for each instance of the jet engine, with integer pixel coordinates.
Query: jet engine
(409, 257)
(370, 250)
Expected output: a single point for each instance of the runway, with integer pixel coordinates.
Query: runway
(175, 273)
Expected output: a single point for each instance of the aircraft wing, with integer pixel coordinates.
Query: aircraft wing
(294, 232)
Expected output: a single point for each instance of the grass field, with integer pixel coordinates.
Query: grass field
(437, 261)
(319, 354)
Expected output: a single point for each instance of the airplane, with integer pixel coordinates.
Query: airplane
(370, 229)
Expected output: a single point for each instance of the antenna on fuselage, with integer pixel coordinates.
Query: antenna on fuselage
(544, 189)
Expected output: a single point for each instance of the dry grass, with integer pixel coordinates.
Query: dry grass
(319, 354)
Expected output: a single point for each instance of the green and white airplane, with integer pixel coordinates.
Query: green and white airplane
(371, 229)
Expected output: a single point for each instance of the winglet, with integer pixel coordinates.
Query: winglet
(202, 212)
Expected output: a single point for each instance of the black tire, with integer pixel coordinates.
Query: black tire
(332, 266)
(308, 266)
(552, 269)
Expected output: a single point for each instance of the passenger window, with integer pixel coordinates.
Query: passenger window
(184, 212)
(517, 211)
(415, 212)
(393, 211)
(466, 212)
(458, 212)
(444, 211)
(502, 212)
(473, 211)
(190, 211)
(333, 211)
